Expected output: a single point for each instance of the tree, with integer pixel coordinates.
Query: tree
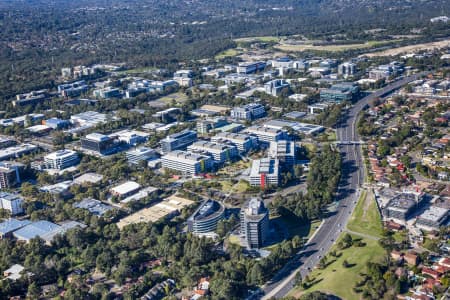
(33, 291)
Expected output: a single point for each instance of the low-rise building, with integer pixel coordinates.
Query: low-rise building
(99, 143)
(94, 206)
(401, 206)
(250, 67)
(266, 134)
(249, 112)
(346, 91)
(210, 124)
(135, 156)
(11, 202)
(432, 218)
(17, 151)
(284, 151)
(206, 217)
(130, 137)
(107, 93)
(220, 153)
(125, 189)
(8, 226)
(178, 141)
(186, 162)
(9, 175)
(275, 87)
(31, 98)
(61, 159)
(265, 172)
(243, 142)
(73, 89)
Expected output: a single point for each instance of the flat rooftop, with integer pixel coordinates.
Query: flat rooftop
(156, 212)
(434, 213)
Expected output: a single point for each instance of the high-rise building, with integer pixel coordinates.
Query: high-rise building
(178, 141)
(61, 159)
(254, 224)
(9, 175)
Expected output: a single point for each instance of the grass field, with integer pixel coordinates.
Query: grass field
(178, 97)
(258, 39)
(338, 280)
(228, 53)
(331, 48)
(366, 218)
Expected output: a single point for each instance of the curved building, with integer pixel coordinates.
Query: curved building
(206, 217)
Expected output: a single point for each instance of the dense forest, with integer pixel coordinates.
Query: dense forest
(40, 37)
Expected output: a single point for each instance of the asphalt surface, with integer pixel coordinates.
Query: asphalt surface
(348, 193)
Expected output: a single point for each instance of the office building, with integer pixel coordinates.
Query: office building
(135, 156)
(130, 137)
(243, 142)
(56, 123)
(45, 230)
(266, 134)
(250, 67)
(340, 92)
(61, 159)
(125, 189)
(8, 226)
(249, 112)
(284, 151)
(107, 93)
(282, 62)
(347, 69)
(17, 151)
(220, 153)
(265, 172)
(186, 162)
(74, 89)
(98, 143)
(254, 224)
(94, 206)
(207, 125)
(178, 141)
(6, 142)
(433, 218)
(183, 77)
(206, 217)
(31, 98)
(11, 202)
(92, 118)
(274, 87)
(9, 175)
(402, 206)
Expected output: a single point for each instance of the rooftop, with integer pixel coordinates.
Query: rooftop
(11, 225)
(126, 187)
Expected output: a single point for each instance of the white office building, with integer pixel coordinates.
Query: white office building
(135, 156)
(243, 142)
(266, 134)
(11, 202)
(219, 152)
(61, 159)
(248, 112)
(186, 162)
(265, 172)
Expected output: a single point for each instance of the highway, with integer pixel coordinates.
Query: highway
(348, 192)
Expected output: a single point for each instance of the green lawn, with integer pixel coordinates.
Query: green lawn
(178, 97)
(339, 281)
(366, 218)
(228, 53)
(258, 39)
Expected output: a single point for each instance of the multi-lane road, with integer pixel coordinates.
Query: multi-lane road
(348, 193)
